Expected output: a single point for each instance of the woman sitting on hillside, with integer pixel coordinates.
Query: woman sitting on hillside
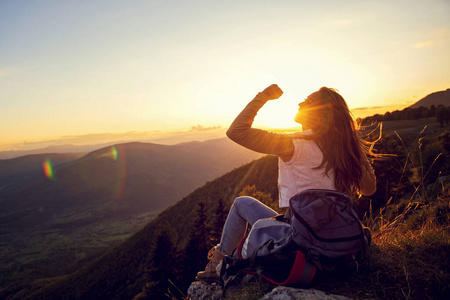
(328, 154)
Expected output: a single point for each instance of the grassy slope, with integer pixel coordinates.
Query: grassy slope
(408, 258)
(410, 129)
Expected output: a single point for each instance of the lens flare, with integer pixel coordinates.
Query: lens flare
(114, 153)
(120, 173)
(121, 169)
(48, 169)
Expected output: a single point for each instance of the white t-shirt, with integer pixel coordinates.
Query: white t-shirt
(300, 173)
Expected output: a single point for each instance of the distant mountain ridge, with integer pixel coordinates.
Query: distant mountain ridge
(125, 172)
(436, 99)
(91, 142)
(12, 170)
(5, 155)
(96, 200)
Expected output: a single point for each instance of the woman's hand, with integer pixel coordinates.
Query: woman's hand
(272, 92)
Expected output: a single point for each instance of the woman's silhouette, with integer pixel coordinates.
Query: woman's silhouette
(328, 154)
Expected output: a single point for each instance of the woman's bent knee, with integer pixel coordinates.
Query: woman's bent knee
(243, 201)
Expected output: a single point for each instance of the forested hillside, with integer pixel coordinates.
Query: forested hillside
(440, 112)
(434, 99)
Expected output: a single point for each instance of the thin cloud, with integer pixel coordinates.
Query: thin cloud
(95, 140)
(367, 108)
(424, 44)
(84, 139)
(201, 128)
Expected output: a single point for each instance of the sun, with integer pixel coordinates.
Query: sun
(297, 84)
(277, 114)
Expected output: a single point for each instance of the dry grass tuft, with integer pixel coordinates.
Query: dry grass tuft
(409, 255)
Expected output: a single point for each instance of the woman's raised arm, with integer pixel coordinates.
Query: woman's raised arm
(259, 140)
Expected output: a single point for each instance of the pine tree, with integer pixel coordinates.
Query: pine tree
(442, 115)
(164, 267)
(219, 221)
(195, 254)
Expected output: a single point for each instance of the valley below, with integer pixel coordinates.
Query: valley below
(64, 245)
(51, 227)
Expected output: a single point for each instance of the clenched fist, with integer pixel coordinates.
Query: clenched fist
(273, 92)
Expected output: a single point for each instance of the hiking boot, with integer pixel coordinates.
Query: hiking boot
(211, 272)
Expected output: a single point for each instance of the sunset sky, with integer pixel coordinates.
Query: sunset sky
(76, 69)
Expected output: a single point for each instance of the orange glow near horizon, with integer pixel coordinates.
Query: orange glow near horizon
(280, 121)
(275, 115)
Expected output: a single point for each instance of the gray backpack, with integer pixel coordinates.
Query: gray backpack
(325, 226)
(320, 232)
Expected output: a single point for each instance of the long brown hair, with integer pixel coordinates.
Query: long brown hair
(335, 131)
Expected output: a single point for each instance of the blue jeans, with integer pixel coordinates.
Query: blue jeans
(244, 210)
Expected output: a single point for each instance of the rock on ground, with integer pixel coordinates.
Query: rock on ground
(200, 290)
(287, 293)
(203, 291)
